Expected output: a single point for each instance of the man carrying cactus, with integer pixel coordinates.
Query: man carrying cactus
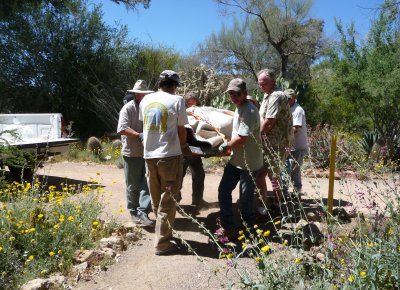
(164, 116)
(130, 128)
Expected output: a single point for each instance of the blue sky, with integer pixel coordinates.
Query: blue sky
(182, 24)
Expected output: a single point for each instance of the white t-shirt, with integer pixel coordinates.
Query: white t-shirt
(299, 119)
(161, 114)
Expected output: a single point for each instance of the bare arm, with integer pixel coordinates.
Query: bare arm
(238, 141)
(182, 135)
(296, 129)
(267, 125)
(129, 132)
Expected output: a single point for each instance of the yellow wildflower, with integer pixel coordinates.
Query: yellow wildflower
(59, 252)
(31, 257)
(51, 254)
(266, 233)
(1, 248)
(265, 248)
(241, 232)
(70, 218)
(277, 222)
(56, 227)
(298, 260)
(363, 274)
(285, 242)
(241, 237)
(95, 223)
(258, 259)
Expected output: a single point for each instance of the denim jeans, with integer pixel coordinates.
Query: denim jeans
(231, 177)
(293, 169)
(198, 175)
(137, 191)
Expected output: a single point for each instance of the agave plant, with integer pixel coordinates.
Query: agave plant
(368, 140)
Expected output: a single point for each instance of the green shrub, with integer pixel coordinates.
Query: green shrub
(42, 228)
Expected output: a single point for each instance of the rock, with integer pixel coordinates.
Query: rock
(312, 217)
(114, 242)
(320, 257)
(36, 284)
(341, 215)
(80, 268)
(350, 174)
(108, 252)
(132, 237)
(52, 282)
(88, 256)
(312, 236)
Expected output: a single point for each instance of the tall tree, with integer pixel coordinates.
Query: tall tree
(365, 75)
(9, 7)
(65, 60)
(273, 33)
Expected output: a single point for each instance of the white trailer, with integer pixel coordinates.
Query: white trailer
(40, 134)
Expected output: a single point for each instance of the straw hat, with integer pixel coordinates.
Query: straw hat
(140, 87)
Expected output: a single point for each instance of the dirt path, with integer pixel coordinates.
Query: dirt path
(138, 267)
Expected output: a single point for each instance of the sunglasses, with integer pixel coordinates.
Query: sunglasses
(233, 94)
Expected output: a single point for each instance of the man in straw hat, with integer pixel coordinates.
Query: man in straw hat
(130, 128)
(164, 116)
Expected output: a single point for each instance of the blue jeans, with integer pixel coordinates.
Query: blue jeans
(230, 179)
(137, 191)
(198, 175)
(293, 169)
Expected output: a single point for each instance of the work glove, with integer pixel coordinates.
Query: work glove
(224, 148)
(140, 137)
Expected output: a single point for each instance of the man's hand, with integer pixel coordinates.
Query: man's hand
(224, 148)
(140, 137)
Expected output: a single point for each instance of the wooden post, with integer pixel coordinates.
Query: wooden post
(331, 174)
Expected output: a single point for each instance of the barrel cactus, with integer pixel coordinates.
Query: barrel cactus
(94, 145)
(116, 144)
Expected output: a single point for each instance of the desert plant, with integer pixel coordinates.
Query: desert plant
(94, 145)
(116, 144)
(40, 235)
(367, 142)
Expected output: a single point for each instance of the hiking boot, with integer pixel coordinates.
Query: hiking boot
(171, 250)
(142, 219)
(199, 202)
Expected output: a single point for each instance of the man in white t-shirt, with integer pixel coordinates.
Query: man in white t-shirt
(164, 116)
(300, 147)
